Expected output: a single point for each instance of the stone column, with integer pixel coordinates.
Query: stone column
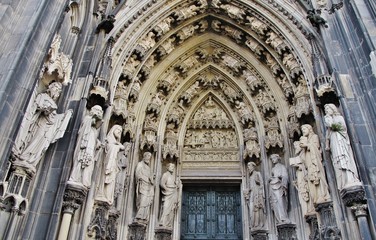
(354, 198)
(287, 231)
(73, 198)
(360, 211)
(329, 229)
(313, 226)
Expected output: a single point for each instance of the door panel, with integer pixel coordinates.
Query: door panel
(211, 213)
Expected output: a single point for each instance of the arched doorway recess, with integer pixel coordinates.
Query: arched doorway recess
(209, 87)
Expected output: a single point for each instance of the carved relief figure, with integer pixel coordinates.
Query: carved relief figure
(164, 26)
(278, 190)
(254, 45)
(186, 13)
(156, 102)
(311, 156)
(251, 143)
(135, 89)
(290, 62)
(233, 11)
(233, 33)
(276, 42)
(244, 112)
(186, 32)
(256, 25)
(301, 182)
(256, 198)
(131, 66)
(251, 80)
(190, 93)
(169, 189)
(144, 189)
(87, 144)
(120, 101)
(43, 128)
(111, 167)
(146, 43)
(339, 145)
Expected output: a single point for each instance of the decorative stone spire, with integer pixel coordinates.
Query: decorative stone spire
(102, 75)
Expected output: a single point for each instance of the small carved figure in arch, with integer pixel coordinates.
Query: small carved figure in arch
(256, 25)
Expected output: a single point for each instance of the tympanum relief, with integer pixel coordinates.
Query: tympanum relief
(210, 140)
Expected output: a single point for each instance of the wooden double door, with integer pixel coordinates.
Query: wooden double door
(211, 213)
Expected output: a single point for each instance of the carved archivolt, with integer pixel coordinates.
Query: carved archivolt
(232, 21)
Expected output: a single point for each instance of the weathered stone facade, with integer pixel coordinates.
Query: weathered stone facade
(111, 109)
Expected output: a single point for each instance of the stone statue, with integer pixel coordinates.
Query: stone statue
(278, 190)
(169, 188)
(301, 181)
(339, 145)
(111, 167)
(144, 189)
(244, 113)
(86, 148)
(41, 129)
(256, 198)
(311, 156)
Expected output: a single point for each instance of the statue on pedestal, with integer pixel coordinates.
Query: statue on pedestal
(311, 156)
(43, 128)
(144, 189)
(111, 167)
(301, 182)
(256, 198)
(278, 190)
(86, 148)
(169, 197)
(339, 145)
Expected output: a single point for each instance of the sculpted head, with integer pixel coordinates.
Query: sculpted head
(275, 158)
(54, 90)
(306, 129)
(147, 157)
(331, 109)
(251, 166)
(96, 111)
(170, 167)
(116, 131)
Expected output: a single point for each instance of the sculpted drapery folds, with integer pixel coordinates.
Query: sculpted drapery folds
(339, 145)
(111, 166)
(256, 198)
(311, 156)
(144, 189)
(278, 190)
(86, 148)
(301, 181)
(43, 128)
(169, 188)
